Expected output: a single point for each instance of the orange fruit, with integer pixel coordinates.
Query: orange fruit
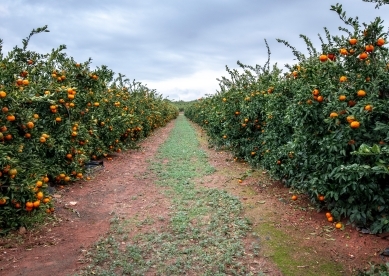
(36, 203)
(368, 108)
(363, 55)
(355, 124)
(380, 42)
(39, 195)
(343, 51)
(29, 204)
(333, 115)
(361, 93)
(38, 184)
(338, 225)
(11, 118)
(323, 58)
(328, 214)
(315, 92)
(30, 125)
(46, 200)
(353, 41)
(343, 79)
(350, 119)
(319, 99)
(369, 48)
(342, 98)
(321, 197)
(330, 219)
(294, 197)
(240, 180)
(3, 94)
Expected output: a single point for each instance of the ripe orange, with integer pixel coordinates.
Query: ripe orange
(355, 124)
(363, 55)
(315, 92)
(39, 184)
(46, 200)
(69, 156)
(330, 219)
(36, 203)
(343, 79)
(11, 118)
(361, 93)
(29, 204)
(30, 125)
(368, 108)
(25, 82)
(342, 98)
(321, 197)
(39, 195)
(42, 139)
(3, 94)
(369, 48)
(380, 42)
(294, 197)
(333, 115)
(328, 214)
(353, 41)
(240, 180)
(323, 58)
(319, 99)
(338, 225)
(343, 51)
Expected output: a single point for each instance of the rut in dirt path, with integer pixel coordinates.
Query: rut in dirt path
(204, 232)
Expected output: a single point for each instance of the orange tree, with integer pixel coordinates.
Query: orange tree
(313, 121)
(56, 115)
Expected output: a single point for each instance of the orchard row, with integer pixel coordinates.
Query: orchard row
(321, 128)
(57, 115)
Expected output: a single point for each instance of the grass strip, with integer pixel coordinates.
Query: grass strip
(205, 230)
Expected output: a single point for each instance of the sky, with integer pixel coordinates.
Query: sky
(179, 48)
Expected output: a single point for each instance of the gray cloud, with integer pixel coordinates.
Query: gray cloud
(176, 47)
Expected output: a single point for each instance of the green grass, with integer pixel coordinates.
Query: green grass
(205, 229)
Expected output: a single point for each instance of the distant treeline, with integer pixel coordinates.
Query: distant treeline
(181, 105)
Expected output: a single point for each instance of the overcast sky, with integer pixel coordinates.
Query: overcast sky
(177, 47)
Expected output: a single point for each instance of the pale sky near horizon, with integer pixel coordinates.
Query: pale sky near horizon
(177, 47)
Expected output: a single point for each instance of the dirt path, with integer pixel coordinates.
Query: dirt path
(121, 188)
(125, 189)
